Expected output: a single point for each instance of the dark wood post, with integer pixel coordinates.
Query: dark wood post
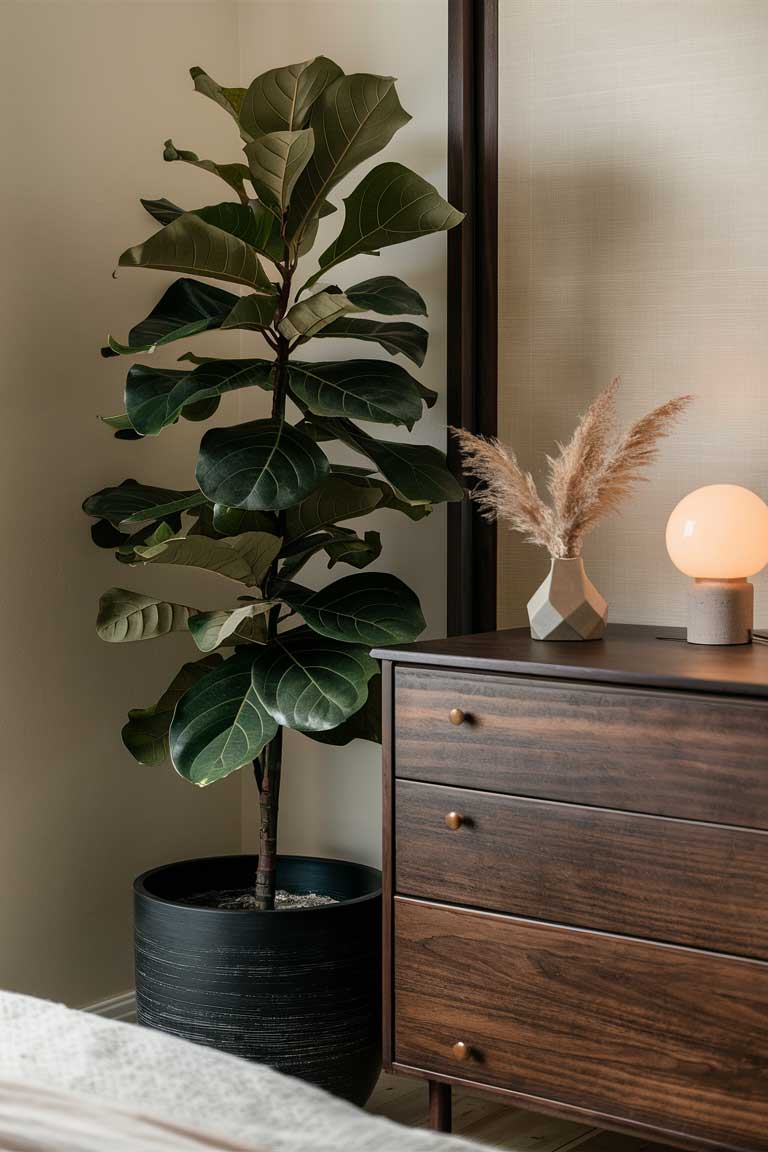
(440, 1106)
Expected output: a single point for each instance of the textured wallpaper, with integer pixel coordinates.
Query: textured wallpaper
(633, 214)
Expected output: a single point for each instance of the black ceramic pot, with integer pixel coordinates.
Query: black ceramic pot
(298, 989)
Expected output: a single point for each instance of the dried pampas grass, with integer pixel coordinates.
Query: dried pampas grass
(589, 478)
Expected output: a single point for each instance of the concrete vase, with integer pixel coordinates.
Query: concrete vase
(567, 606)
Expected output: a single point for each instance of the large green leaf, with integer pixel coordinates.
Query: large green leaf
(151, 535)
(317, 429)
(219, 724)
(231, 174)
(246, 625)
(390, 205)
(245, 558)
(105, 535)
(363, 478)
(367, 608)
(167, 512)
(356, 471)
(232, 521)
(400, 337)
(306, 240)
(186, 308)
(202, 523)
(148, 533)
(310, 683)
(251, 222)
(355, 117)
(146, 733)
(155, 397)
(201, 409)
(254, 312)
(296, 554)
(418, 472)
(189, 244)
(261, 465)
(230, 99)
(135, 503)
(365, 724)
(119, 423)
(276, 161)
(364, 389)
(390, 499)
(125, 615)
(281, 99)
(387, 295)
(162, 210)
(337, 498)
(341, 545)
(308, 317)
(217, 520)
(353, 550)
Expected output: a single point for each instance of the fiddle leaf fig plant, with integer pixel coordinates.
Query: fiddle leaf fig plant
(268, 494)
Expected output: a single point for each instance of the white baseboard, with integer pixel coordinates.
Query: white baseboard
(122, 1007)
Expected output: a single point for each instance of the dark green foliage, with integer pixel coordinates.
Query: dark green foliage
(268, 498)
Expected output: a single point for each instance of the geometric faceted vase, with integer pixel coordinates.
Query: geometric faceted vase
(567, 606)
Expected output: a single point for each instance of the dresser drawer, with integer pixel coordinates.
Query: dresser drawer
(666, 1037)
(671, 754)
(697, 884)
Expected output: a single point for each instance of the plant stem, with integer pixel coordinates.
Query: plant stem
(283, 348)
(272, 754)
(269, 799)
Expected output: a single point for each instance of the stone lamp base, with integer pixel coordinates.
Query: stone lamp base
(720, 612)
(567, 606)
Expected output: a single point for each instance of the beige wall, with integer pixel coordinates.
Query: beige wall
(634, 242)
(89, 92)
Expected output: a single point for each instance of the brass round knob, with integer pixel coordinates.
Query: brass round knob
(461, 1051)
(456, 716)
(454, 820)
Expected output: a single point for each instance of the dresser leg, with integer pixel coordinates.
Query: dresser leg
(439, 1106)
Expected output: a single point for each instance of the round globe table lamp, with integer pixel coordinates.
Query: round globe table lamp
(719, 536)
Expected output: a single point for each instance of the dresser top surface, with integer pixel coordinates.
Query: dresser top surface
(628, 654)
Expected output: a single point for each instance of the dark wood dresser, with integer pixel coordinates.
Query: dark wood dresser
(576, 879)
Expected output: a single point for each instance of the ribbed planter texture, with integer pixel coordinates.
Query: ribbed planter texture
(567, 606)
(297, 989)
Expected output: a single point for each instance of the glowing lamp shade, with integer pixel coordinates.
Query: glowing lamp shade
(719, 536)
(719, 533)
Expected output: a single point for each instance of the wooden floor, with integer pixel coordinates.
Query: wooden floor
(483, 1118)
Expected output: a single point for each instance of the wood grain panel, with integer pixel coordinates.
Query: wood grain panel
(666, 1038)
(387, 858)
(697, 884)
(628, 654)
(683, 754)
